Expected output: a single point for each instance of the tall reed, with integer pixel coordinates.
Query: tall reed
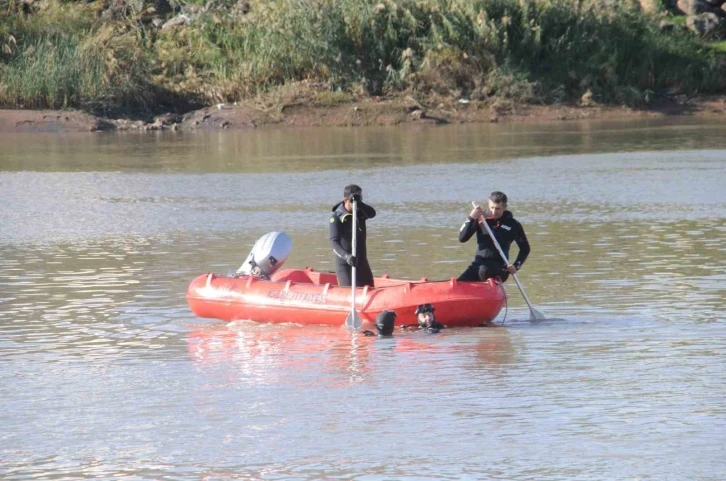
(65, 58)
(526, 50)
(550, 49)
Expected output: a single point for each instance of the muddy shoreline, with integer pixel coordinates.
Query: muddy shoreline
(368, 112)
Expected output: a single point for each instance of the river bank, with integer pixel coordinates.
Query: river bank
(369, 112)
(349, 63)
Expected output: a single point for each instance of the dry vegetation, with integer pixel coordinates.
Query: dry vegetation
(139, 57)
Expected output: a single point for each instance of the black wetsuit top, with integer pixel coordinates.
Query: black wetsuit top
(506, 230)
(341, 238)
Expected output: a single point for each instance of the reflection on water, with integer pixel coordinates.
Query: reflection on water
(105, 374)
(332, 357)
(313, 150)
(296, 354)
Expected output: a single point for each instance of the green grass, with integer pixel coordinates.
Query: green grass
(329, 98)
(678, 20)
(544, 51)
(73, 63)
(719, 46)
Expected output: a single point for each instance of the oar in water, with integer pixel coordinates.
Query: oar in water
(534, 314)
(353, 321)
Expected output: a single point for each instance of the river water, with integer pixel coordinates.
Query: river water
(105, 373)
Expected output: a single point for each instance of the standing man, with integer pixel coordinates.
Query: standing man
(487, 260)
(341, 237)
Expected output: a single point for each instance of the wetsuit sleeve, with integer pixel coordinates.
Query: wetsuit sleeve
(467, 229)
(523, 244)
(336, 228)
(366, 211)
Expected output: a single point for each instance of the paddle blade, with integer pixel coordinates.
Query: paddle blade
(535, 315)
(353, 321)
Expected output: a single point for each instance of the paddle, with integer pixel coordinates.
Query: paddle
(353, 321)
(534, 314)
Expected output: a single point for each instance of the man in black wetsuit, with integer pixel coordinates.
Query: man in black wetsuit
(341, 237)
(487, 260)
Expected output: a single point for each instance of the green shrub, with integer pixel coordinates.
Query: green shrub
(73, 55)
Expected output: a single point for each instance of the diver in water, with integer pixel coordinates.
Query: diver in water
(426, 320)
(385, 321)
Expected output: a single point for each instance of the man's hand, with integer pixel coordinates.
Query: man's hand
(512, 269)
(476, 212)
(351, 260)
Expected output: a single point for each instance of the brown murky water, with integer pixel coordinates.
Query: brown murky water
(105, 374)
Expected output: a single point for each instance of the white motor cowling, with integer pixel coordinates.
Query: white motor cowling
(268, 254)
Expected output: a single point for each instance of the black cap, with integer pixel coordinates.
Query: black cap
(424, 308)
(385, 322)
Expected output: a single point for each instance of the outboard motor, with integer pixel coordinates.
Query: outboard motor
(268, 254)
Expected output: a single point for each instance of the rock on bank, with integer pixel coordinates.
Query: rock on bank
(364, 113)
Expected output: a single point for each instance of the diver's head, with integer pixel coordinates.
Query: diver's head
(425, 315)
(385, 322)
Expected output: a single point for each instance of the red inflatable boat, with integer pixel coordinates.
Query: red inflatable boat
(305, 296)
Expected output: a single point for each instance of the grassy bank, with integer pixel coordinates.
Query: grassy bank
(115, 58)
